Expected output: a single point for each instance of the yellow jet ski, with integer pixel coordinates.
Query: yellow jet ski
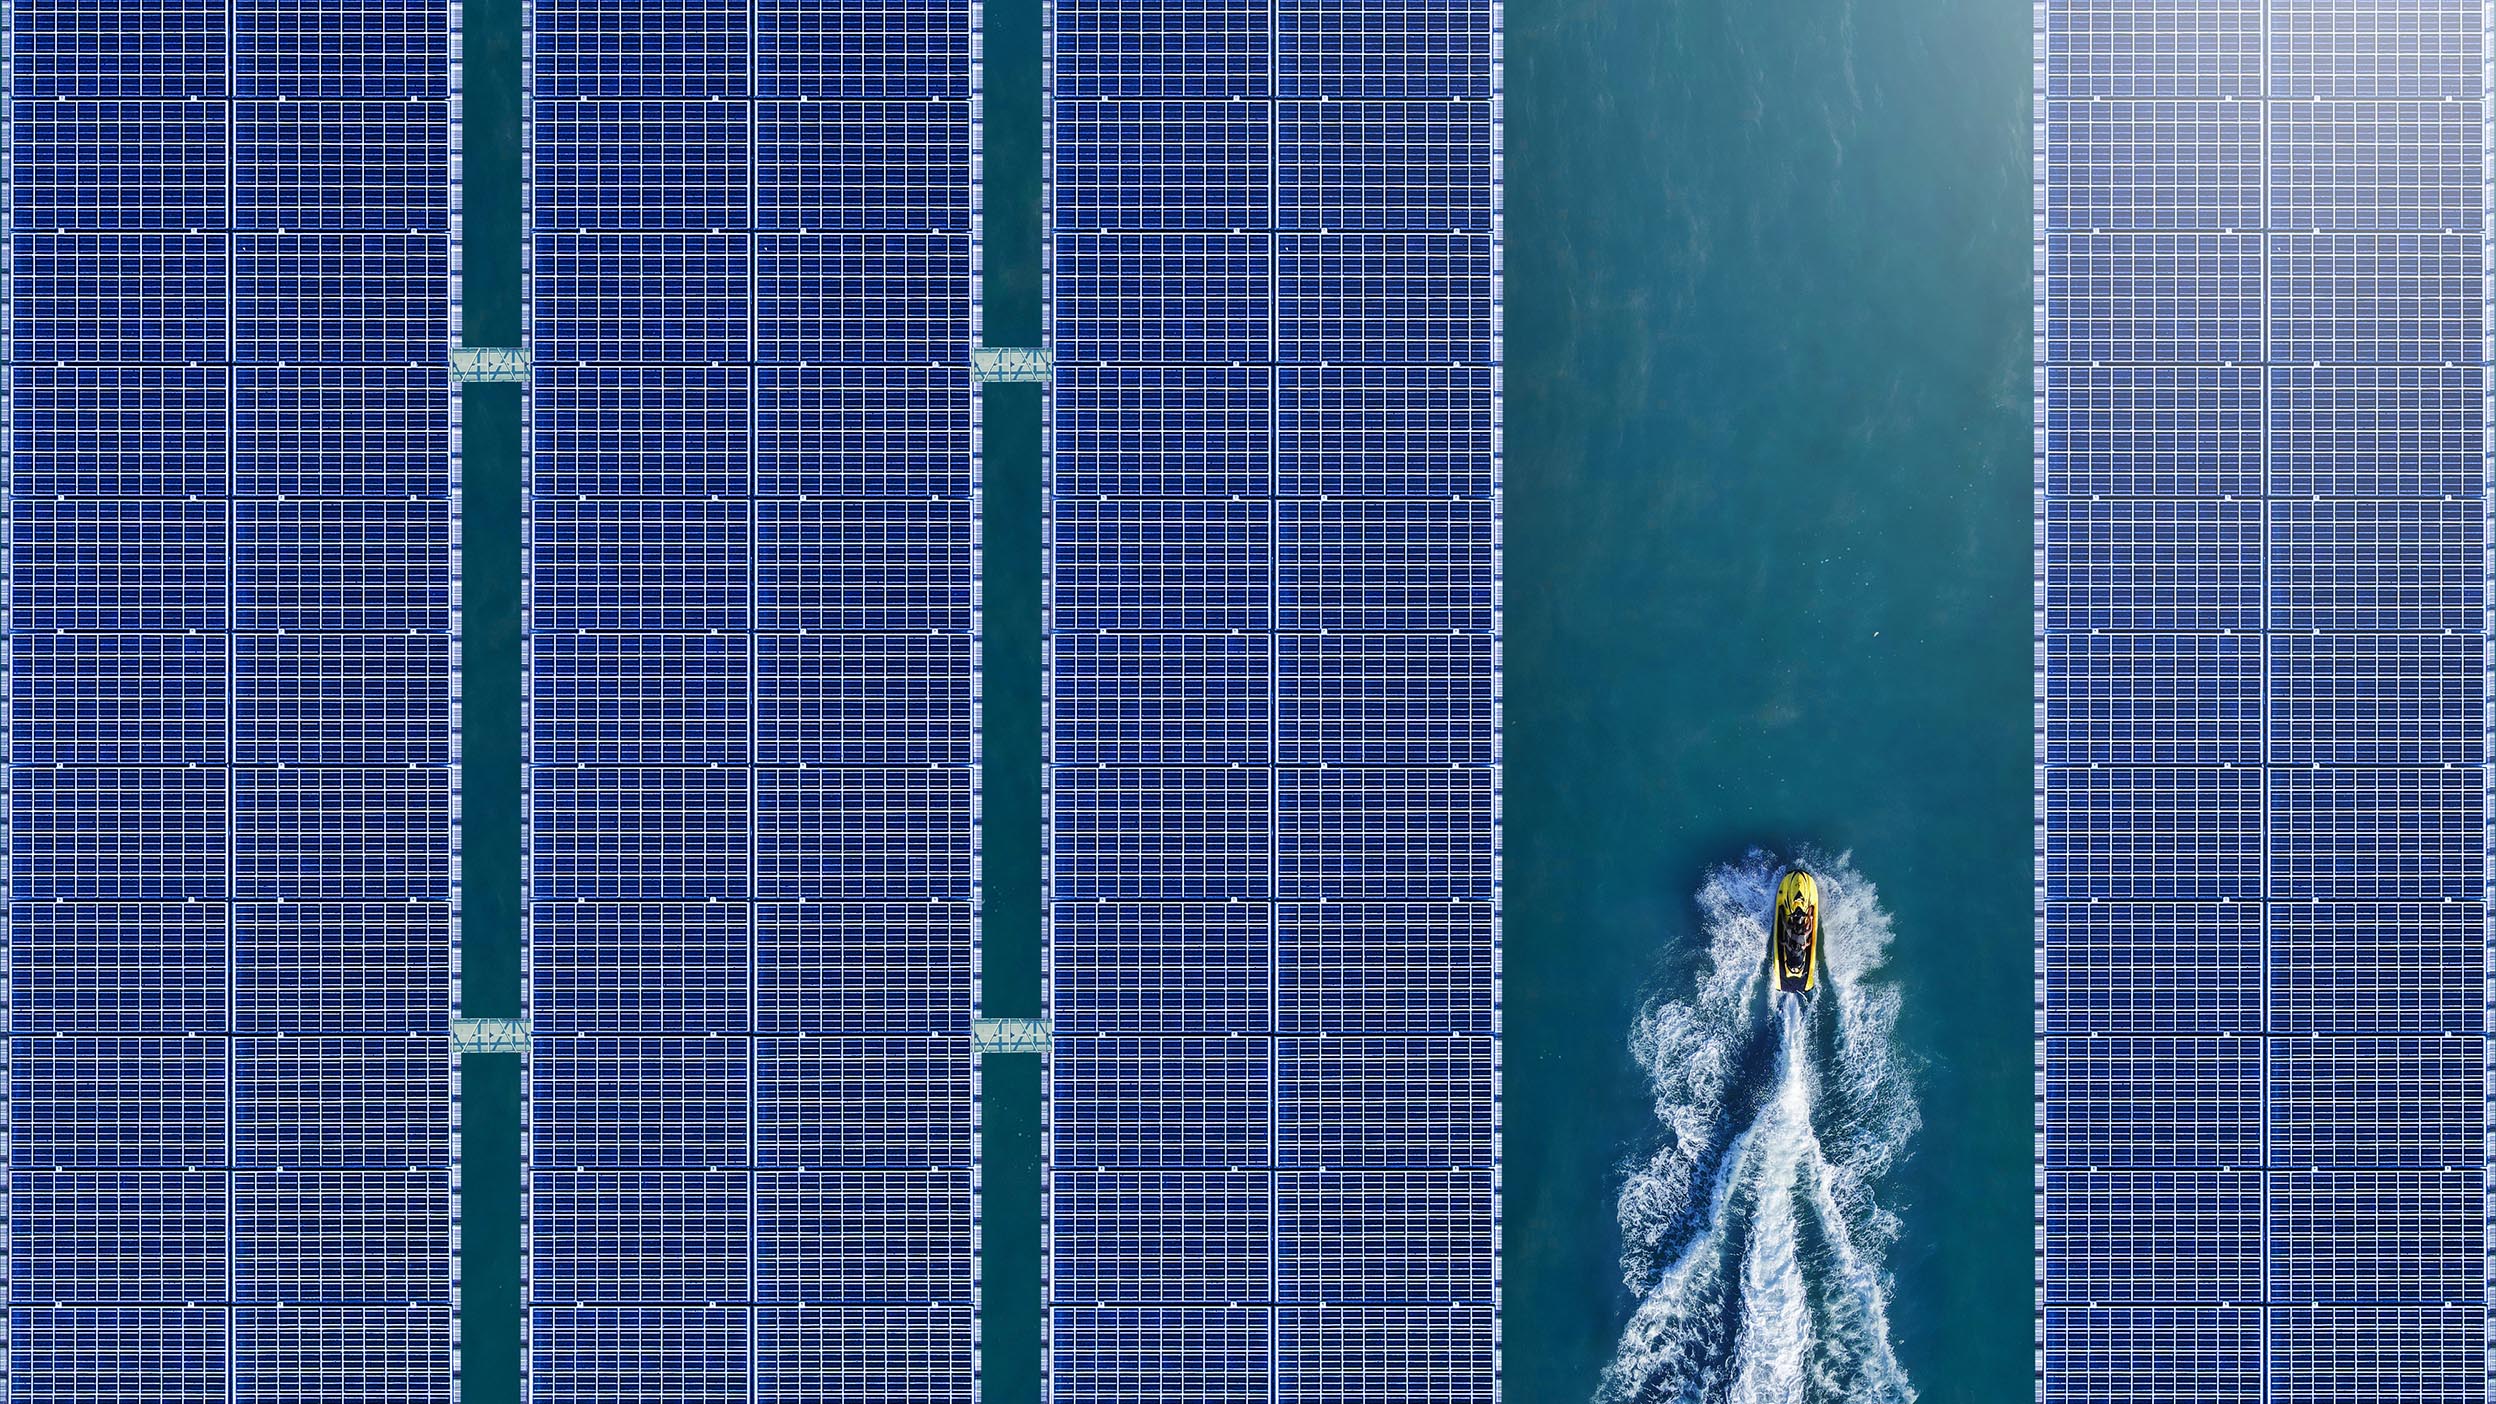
(1794, 933)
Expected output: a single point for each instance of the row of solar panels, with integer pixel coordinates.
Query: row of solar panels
(233, 619)
(1274, 658)
(2261, 791)
(754, 669)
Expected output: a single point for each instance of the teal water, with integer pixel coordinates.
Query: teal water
(490, 705)
(1767, 572)
(1010, 599)
(490, 708)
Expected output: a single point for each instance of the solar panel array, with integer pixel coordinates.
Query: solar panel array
(753, 726)
(2262, 658)
(1273, 297)
(233, 614)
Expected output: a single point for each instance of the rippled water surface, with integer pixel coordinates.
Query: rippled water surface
(1768, 587)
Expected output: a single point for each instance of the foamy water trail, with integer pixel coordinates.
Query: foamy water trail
(1775, 1343)
(1751, 1233)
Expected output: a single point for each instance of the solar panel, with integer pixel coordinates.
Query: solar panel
(231, 706)
(2262, 697)
(753, 688)
(1273, 696)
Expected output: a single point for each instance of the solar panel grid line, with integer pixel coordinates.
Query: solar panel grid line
(2487, 673)
(2263, 689)
(1275, 1125)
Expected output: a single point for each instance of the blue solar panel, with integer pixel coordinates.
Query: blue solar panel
(2136, 968)
(361, 432)
(1160, 432)
(1397, 165)
(2152, 48)
(2186, 298)
(1204, 165)
(2262, 679)
(1191, 49)
(863, 432)
(863, 166)
(2401, 1102)
(1162, 1102)
(641, 1103)
(121, 49)
(341, 166)
(1224, 1355)
(113, 967)
(177, 1355)
(640, 968)
(378, 49)
(869, 1103)
(2153, 165)
(2375, 431)
(649, 699)
(2212, 1085)
(1356, 49)
(399, 1353)
(873, 50)
(393, 1096)
(689, 1353)
(2211, 1354)
(863, 967)
(2399, 1355)
(1383, 1355)
(119, 165)
(2153, 431)
(119, 431)
(753, 662)
(689, 1234)
(605, 164)
(659, 433)
(855, 1354)
(1175, 968)
(863, 1237)
(365, 966)
(1274, 725)
(374, 1244)
(2361, 967)
(2153, 699)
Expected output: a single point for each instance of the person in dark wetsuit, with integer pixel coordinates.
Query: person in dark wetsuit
(1797, 934)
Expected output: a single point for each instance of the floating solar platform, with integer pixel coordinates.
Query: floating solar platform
(753, 644)
(232, 680)
(2262, 507)
(1274, 632)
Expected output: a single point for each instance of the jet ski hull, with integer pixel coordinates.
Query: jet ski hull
(1794, 959)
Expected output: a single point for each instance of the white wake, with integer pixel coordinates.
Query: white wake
(1751, 1235)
